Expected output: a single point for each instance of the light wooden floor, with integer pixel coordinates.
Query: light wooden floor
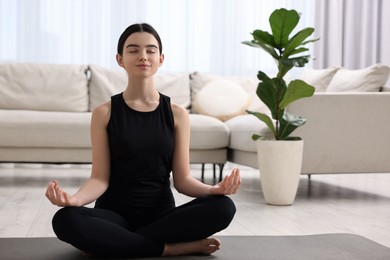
(343, 203)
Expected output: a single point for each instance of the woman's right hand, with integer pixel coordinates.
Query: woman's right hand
(59, 197)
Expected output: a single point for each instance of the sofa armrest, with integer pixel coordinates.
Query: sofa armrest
(345, 132)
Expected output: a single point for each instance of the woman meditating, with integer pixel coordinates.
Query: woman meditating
(138, 139)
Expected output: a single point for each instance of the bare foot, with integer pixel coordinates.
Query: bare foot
(205, 246)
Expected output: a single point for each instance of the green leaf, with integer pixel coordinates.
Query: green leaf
(264, 37)
(284, 67)
(309, 41)
(266, 91)
(297, 89)
(265, 118)
(265, 41)
(256, 137)
(282, 23)
(251, 43)
(293, 138)
(288, 124)
(271, 93)
(299, 50)
(297, 61)
(262, 76)
(266, 48)
(297, 40)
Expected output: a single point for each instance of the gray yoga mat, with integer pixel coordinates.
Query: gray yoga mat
(309, 247)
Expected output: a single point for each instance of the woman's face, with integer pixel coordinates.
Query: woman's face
(141, 55)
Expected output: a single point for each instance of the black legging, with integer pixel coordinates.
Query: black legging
(104, 232)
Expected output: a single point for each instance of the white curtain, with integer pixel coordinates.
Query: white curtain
(197, 35)
(354, 33)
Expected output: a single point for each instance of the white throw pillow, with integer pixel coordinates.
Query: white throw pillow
(248, 83)
(222, 99)
(319, 79)
(370, 79)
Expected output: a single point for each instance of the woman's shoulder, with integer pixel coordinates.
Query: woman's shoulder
(102, 112)
(178, 109)
(180, 114)
(102, 108)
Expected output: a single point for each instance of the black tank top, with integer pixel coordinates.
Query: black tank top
(141, 150)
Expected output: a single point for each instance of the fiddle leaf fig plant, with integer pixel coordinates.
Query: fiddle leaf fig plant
(288, 53)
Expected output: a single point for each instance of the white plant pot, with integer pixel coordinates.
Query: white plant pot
(280, 164)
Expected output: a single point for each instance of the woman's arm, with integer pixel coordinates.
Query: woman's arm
(183, 181)
(97, 184)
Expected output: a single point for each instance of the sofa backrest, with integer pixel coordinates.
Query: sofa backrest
(45, 87)
(106, 82)
(340, 79)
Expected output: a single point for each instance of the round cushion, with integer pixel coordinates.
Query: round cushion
(222, 99)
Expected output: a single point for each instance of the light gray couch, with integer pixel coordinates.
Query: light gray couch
(344, 133)
(45, 112)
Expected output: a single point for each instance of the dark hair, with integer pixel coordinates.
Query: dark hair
(138, 27)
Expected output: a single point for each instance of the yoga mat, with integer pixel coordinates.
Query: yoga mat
(308, 247)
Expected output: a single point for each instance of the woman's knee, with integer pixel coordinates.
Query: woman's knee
(64, 220)
(63, 215)
(223, 208)
(227, 206)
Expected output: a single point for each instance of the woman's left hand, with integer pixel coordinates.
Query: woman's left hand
(229, 185)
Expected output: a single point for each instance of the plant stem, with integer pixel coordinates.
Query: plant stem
(279, 93)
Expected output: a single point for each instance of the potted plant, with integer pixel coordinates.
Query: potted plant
(280, 158)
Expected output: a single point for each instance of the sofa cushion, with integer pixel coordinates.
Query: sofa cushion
(370, 79)
(21, 128)
(45, 87)
(319, 78)
(222, 99)
(106, 82)
(241, 130)
(207, 133)
(248, 83)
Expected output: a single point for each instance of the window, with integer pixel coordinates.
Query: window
(197, 35)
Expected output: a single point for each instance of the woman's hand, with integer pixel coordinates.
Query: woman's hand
(229, 185)
(59, 197)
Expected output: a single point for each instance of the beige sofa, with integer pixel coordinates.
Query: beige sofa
(347, 129)
(45, 112)
(344, 133)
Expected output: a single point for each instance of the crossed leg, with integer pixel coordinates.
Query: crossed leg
(185, 229)
(182, 230)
